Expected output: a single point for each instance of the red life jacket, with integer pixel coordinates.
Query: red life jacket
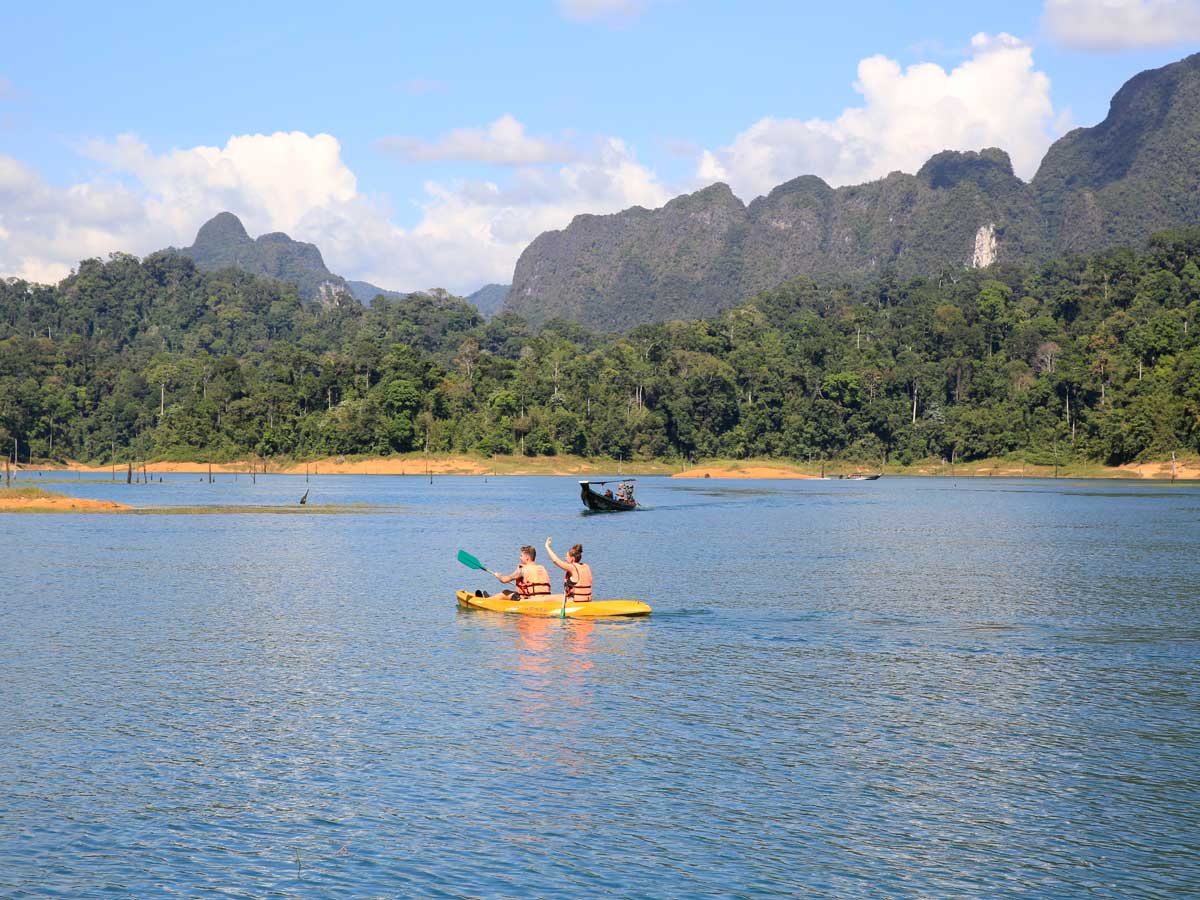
(578, 588)
(539, 582)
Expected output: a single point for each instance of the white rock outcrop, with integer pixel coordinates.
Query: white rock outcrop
(985, 246)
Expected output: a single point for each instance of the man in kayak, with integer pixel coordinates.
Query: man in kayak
(578, 581)
(532, 580)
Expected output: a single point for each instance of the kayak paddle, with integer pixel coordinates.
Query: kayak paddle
(471, 562)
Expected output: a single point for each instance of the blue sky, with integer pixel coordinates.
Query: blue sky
(427, 144)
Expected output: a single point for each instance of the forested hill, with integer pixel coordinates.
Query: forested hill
(1094, 357)
(1116, 183)
(489, 298)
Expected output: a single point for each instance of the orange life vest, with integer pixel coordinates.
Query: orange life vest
(538, 583)
(579, 587)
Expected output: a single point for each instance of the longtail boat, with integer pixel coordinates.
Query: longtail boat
(599, 501)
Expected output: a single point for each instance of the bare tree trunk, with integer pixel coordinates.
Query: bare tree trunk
(914, 415)
(1070, 421)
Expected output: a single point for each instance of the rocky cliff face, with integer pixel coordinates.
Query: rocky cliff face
(674, 261)
(706, 251)
(1135, 173)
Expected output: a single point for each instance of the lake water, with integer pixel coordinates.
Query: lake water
(910, 688)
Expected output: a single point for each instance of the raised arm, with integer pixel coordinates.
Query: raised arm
(554, 556)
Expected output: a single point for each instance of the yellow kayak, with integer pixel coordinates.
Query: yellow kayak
(553, 606)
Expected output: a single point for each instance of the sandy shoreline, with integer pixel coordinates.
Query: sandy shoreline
(388, 465)
(417, 465)
(747, 470)
(1163, 470)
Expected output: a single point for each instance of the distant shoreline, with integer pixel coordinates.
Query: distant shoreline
(1188, 470)
(25, 498)
(1185, 469)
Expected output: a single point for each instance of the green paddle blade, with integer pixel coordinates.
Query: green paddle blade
(468, 560)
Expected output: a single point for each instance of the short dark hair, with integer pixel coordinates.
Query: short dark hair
(532, 553)
(577, 552)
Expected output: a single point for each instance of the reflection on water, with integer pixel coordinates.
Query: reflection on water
(535, 648)
(902, 688)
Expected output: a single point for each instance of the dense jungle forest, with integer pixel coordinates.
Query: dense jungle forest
(1085, 358)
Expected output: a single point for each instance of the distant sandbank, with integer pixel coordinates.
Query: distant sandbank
(57, 504)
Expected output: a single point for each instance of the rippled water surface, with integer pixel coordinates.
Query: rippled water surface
(904, 688)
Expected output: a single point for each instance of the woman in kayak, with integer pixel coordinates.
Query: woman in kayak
(532, 580)
(578, 580)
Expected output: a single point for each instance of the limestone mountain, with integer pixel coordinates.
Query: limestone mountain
(1135, 173)
(222, 242)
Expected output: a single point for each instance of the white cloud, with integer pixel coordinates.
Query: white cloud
(592, 10)
(277, 179)
(503, 142)
(994, 98)
(470, 233)
(1108, 25)
(48, 229)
